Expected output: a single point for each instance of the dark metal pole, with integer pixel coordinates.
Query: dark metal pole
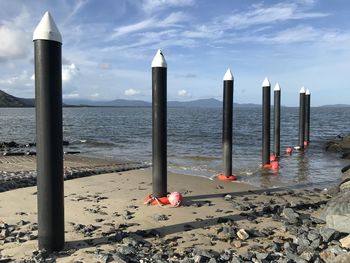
(302, 118)
(48, 94)
(227, 122)
(266, 104)
(307, 115)
(277, 120)
(159, 125)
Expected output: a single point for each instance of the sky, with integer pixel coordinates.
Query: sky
(108, 47)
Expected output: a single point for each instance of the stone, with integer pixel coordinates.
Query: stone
(291, 216)
(345, 242)
(201, 259)
(295, 257)
(161, 217)
(307, 255)
(337, 205)
(344, 258)
(340, 223)
(242, 234)
(327, 234)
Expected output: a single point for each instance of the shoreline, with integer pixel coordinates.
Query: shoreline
(106, 220)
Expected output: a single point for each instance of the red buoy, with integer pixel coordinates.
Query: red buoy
(275, 165)
(289, 150)
(151, 200)
(272, 157)
(223, 177)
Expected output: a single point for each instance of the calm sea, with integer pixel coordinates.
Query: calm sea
(194, 140)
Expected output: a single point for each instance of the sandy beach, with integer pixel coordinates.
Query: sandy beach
(106, 220)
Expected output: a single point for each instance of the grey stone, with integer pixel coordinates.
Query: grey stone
(295, 257)
(340, 223)
(337, 205)
(201, 259)
(290, 215)
(327, 234)
(344, 258)
(307, 255)
(312, 235)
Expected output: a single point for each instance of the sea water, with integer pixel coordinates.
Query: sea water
(195, 140)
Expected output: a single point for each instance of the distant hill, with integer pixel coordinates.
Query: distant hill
(201, 103)
(335, 106)
(7, 100)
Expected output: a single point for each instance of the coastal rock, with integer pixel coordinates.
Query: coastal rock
(344, 258)
(242, 234)
(337, 205)
(327, 234)
(340, 223)
(290, 215)
(345, 242)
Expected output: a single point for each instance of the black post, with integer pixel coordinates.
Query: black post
(266, 104)
(277, 120)
(48, 94)
(302, 118)
(307, 116)
(159, 125)
(227, 122)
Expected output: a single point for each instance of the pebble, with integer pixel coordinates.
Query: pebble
(242, 234)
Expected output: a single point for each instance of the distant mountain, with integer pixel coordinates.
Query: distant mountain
(335, 106)
(113, 103)
(201, 103)
(7, 100)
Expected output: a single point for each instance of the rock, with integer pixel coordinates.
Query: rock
(228, 197)
(327, 234)
(236, 243)
(291, 216)
(340, 223)
(337, 205)
(312, 235)
(201, 259)
(295, 257)
(345, 185)
(345, 242)
(344, 258)
(160, 217)
(307, 255)
(242, 234)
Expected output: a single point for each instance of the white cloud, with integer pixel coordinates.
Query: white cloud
(152, 5)
(131, 92)
(69, 72)
(174, 19)
(14, 43)
(70, 95)
(260, 15)
(183, 93)
(95, 95)
(21, 79)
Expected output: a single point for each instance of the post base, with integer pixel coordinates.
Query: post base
(151, 200)
(223, 177)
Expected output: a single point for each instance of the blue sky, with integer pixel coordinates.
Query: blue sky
(108, 47)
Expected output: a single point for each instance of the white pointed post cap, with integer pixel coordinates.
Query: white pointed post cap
(307, 92)
(302, 90)
(228, 75)
(266, 83)
(47, 29)
(159, 60)
(277, 87)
